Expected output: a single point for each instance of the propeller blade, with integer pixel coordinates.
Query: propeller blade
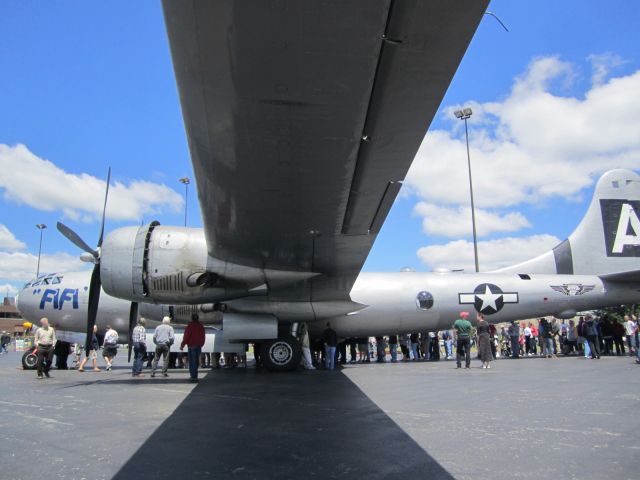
(94, 298)
(74, 238)
(104, 208)
(133, 319)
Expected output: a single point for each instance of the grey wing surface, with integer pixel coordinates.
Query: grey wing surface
(302, 119)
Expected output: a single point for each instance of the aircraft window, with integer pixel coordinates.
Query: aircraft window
(46, 281)
(55, 280)
(524, 276)
(615, 184)
(36, 283)
(424, 300)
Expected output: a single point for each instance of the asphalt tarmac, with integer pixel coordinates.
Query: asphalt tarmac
(523, 419)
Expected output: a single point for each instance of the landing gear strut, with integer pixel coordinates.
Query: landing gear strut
(282, 354)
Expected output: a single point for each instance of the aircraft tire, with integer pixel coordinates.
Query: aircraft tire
(282, 354)
(29, 361)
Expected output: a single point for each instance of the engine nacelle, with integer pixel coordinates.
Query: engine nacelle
(167, 265)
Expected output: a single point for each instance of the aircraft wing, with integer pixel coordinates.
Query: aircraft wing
(303, 117)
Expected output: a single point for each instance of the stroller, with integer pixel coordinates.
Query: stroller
(505, 348)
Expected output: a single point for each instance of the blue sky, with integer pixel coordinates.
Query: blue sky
(86, 85)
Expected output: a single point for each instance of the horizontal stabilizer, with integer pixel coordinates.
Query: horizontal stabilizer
(631, 276)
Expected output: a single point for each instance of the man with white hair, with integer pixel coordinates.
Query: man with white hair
(163, 337)
(45, 340)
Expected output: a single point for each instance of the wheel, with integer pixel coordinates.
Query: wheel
(29, 361)
(282, 354)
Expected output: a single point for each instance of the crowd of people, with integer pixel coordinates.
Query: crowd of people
(590, 337)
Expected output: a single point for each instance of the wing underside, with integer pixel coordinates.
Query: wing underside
(302, 119)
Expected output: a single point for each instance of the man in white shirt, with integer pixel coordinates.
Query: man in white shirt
(630, 331)
(110, 346)
(163, 337)
(44, 339)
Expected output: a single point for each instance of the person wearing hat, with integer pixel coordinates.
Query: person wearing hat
(463, 328)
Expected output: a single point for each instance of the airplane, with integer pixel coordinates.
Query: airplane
(302, 120)
(597, 266)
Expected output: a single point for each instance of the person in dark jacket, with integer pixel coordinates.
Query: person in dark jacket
(194, 338)
(591, 332)
(330, 341)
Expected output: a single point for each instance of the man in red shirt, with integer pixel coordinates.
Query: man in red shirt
(193, 338)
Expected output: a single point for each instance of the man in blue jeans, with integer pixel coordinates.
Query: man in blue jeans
(330, 341)
(193, 338)
(139, 340)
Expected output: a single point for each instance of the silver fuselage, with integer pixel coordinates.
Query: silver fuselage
(388, 302)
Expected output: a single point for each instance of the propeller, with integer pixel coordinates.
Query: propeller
(133, 317)
(95, 285)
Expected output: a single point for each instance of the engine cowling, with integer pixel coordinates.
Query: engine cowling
(159, 264)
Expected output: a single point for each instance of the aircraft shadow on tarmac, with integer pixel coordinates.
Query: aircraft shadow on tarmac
(263, 425)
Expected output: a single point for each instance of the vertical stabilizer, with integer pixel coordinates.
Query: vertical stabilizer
(608, 237)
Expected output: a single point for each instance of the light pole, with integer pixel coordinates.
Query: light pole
(41, 227)
(185, 181)
(464, 114)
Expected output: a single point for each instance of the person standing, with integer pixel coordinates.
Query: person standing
(6, 340)
(139, 341)
(45, 340)
(591, 332)
(193, 338)
(484, 342)
(448, 344)
(61, 351)
(163, 338)
(534, 338)
(306, 351)
(527, 339)
(514, 336)
(413, 340)
(630, 332)
(618, 335)
(548, 333)
(463, 328)
(110, 346)
(572, 338)
(92, 352)
(330, 341)
(582, 337)
(393, 348)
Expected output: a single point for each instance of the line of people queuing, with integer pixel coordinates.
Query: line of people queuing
(590, 336)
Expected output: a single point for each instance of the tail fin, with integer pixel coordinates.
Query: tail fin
(607, 240)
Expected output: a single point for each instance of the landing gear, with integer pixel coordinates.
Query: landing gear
(282, 354)
(29, 360)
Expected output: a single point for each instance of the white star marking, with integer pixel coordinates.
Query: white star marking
(488, 298)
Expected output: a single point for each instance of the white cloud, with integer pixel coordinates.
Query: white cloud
(602, 64)
(39, 183)
(456, 222)
(21, 267)
(9, 241)
(534, 144)
(492, 254)
(8, 290)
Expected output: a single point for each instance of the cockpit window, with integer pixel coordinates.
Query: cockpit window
(55, 280)
(36, 283)
(424, 301)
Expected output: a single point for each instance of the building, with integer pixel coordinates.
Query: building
(10, 318)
